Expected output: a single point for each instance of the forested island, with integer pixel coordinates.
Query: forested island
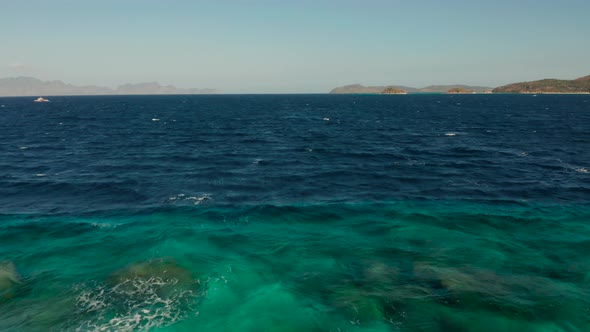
(549, 86)
(455, 91)
(393, 91)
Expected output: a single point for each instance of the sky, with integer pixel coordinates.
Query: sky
(294, 46)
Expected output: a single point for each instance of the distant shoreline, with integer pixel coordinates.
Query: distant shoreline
(33, 87)
(303, 94)
(455, 94)
(546, 86)
(541, 93)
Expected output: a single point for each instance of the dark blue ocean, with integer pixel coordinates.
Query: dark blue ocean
(295, 213)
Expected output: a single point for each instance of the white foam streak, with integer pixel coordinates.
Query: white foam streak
(195, 200)
(135, 304)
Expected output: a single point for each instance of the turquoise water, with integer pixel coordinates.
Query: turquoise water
(434, 213)
(401, 266)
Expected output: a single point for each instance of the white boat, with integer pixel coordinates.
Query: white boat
(41, 100)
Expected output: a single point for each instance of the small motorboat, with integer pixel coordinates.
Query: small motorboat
(41, 100)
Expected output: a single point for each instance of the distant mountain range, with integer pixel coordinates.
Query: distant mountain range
(30, 86)
(580, 85)
(361, 89)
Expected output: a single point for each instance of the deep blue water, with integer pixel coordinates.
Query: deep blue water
(295, 213)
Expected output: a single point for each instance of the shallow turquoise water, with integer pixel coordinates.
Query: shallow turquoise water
(400, 266)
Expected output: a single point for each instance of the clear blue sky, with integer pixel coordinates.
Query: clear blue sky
(270, 46)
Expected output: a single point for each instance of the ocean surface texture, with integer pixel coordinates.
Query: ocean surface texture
(295, 213)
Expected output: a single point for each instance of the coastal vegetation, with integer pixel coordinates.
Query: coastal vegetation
(393, 91)
(580, 85)
(460, 91)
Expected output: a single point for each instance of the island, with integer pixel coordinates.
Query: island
(361, 89)
(455, 91)
(548, 86)
(393, 91)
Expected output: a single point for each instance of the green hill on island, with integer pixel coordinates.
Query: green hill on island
(393, 91)
(460, 91)
(580, 85)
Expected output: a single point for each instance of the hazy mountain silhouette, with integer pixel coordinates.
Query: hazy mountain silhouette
(30, 86)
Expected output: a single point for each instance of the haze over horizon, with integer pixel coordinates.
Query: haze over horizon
(309, 46)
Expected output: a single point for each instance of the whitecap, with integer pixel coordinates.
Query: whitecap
(326, 119)
(154, 119)
(196, 200)
(23, 147)
(103, 225)
(40, 174)
(451, 134)
(135, 304)
(200, 199)
(582, 170)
